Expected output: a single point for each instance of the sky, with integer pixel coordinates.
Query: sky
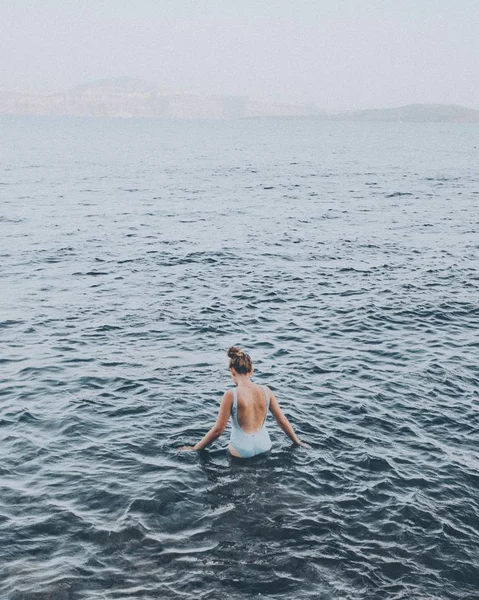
(335, 54)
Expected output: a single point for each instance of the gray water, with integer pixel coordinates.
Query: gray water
(343, 257)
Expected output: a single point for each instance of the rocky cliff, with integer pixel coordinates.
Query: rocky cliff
(125, 97)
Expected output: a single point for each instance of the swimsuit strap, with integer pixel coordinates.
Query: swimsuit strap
(266, 395)
(267, 402)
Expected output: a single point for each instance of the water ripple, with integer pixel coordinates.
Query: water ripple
(346, 265)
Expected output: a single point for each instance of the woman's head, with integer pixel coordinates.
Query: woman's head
(240, 362)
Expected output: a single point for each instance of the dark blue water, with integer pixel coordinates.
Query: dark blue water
(343, 257)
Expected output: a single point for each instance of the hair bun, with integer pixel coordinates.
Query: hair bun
(240, 361)
(234, 351)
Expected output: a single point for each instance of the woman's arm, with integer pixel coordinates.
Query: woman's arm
(219, 426)
(283, 421)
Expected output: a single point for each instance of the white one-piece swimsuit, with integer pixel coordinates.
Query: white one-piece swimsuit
(249, 444)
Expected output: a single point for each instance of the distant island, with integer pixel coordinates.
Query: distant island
(125, 97)
(416, 113)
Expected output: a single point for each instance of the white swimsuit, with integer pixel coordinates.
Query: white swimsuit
(249, 444)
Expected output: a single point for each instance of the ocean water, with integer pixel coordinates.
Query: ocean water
(343, 257)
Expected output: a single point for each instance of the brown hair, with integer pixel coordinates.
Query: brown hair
(240, 361)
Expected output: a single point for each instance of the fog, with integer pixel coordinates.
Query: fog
(336, 55)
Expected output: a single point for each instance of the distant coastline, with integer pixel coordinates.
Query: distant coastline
(126, 97)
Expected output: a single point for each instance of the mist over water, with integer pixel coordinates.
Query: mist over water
(343, 257)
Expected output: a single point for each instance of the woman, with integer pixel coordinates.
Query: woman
(248, 405)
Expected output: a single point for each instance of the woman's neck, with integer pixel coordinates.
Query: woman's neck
(243, 380)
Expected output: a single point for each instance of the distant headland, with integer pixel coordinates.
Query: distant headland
(126, 97)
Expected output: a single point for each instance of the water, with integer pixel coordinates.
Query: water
(342, 256)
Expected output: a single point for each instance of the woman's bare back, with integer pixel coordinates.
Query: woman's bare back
(251, 407)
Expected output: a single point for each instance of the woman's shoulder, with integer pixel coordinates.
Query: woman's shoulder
(263, 386)
(229, 394)
(264, 390)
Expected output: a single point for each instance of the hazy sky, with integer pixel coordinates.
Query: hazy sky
(337, 54)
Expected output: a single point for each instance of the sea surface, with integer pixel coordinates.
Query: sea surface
(342, 256)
